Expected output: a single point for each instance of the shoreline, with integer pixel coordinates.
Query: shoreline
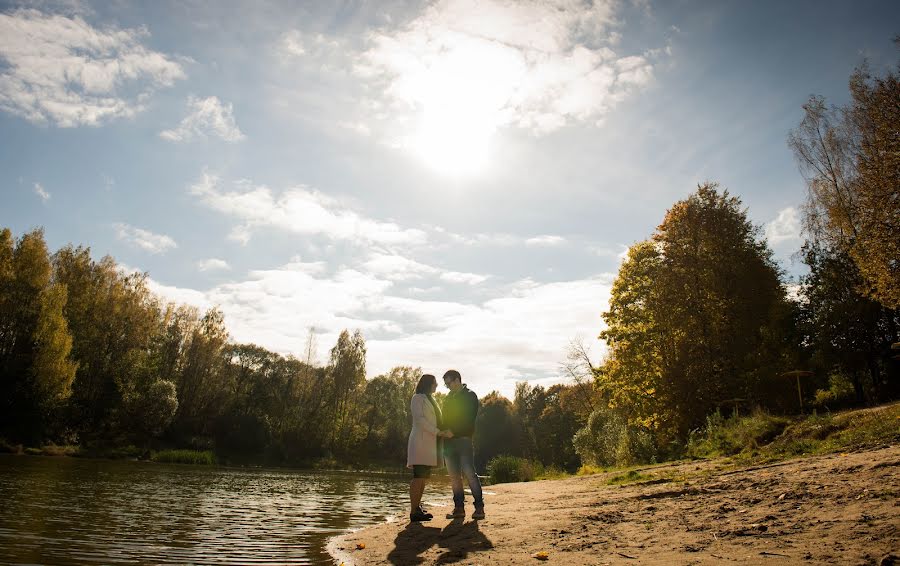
(828, 509)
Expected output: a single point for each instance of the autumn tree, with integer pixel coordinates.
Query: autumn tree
(36, 370)
(850, 158)
(694, 318)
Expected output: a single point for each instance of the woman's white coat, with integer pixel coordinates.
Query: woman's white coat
(422, 447)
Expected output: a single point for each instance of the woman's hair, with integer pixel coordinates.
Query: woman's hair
(426, 383)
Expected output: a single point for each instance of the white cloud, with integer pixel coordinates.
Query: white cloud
(206, 117)
(785, 227)
(521, 334)
(461, 277)
(538, 65)
(64, 71)
(213, 264)
(144, 239)
(298, 210)
(546, 240)
(396, 267)
(41, 192)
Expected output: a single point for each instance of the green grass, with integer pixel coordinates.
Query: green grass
(764, 437)
(632, 476)
(195, 457)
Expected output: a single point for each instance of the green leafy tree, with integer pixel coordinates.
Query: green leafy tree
(113, 318)
(497, 430)
(848, 333)
(347, 370)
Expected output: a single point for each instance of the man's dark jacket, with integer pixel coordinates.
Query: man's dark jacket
(459, 411)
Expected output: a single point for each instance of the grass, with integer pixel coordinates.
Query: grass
(763, 437)
(195, 457)
(632, 476)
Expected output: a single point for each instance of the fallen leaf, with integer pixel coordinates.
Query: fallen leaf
(541, 555)
(360, 545)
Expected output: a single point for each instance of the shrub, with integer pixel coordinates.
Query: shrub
(840, 393)
(506, 469)
(608, 441)
(198, 457)
(727, 437)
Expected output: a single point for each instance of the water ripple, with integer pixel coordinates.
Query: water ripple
(72, 511)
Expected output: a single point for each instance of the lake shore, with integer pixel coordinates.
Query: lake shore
(829, 509)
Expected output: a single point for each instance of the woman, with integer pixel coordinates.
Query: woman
(422, 450)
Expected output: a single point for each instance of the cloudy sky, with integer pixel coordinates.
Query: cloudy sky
(458, 179)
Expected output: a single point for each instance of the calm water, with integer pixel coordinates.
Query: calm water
(73, 511)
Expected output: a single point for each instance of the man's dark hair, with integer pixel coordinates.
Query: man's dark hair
(452, 375)
(426, 382)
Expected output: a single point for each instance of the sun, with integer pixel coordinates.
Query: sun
(452, 143)
(461, 95)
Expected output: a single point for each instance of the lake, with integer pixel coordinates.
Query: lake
(79, 511)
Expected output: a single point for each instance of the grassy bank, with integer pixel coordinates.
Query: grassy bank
(764, 437)
(743, 440)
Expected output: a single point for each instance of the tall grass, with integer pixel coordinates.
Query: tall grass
(196, 457)
(770, 437)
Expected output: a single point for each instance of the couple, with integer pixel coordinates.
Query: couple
(455, 426)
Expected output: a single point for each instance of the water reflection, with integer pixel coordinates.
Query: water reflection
(71, 511)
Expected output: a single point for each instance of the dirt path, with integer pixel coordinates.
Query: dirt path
(834, 509)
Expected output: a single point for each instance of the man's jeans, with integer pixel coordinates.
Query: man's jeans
(460, 462)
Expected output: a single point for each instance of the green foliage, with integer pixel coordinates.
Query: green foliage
(726, 437)
(632, 476)
(497, 430)
(195, 457)
(846, 332)
(762, 436)
(608, 440)
(840, 393)
(508, 469)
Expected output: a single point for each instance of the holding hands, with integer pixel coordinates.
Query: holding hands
(446, 433)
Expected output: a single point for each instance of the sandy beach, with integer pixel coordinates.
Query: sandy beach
(832, 509)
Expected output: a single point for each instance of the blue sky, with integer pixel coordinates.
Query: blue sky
(458, 179)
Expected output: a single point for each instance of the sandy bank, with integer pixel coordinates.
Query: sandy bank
(834, 509)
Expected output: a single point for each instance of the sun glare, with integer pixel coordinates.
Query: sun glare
(461, 93)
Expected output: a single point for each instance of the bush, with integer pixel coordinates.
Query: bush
(840, 393)
(197, 457)
(609, 441)
(507, 469)
(727, 437)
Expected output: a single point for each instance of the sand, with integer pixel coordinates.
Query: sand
(833, 509)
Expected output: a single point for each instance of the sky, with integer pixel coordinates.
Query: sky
(457, 179)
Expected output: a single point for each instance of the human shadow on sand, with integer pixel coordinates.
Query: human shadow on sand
(458, 539)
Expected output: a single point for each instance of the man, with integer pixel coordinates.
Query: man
(459, 411)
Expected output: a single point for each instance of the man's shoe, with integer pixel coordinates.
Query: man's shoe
(425, 513)
(478, 514)
(417, 516)
(458, 513)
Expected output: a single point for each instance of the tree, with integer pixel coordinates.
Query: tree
(850, 157)
(347, 369)
(36, 370)
(113, 318)
(497, 430)
(695, 317)
(848, 333)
